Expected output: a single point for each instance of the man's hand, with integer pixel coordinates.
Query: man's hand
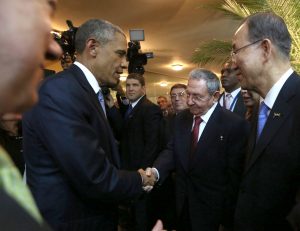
(148, 180)
(158, 226)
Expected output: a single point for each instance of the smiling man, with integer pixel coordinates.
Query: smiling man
(70, 151)
(206, 151)
(261, 52)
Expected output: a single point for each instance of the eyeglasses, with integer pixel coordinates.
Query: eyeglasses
(179, 95)
(198, 98)
(234, 52)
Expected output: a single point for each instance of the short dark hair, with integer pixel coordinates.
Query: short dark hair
(212, 81)
(103, 31)
(178, 85)
(269, 25)
(138, 77)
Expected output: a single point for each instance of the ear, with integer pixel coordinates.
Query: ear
(216, 96)
(91, 46)
(266, 45)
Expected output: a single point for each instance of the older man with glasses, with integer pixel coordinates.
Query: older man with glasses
(261, 53)
(207, 153)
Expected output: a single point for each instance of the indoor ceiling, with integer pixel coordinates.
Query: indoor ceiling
(173, 29)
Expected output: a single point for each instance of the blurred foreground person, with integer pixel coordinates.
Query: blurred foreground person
(20, 73)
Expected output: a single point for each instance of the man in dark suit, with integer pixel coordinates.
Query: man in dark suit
(207, 152)
(139, 144)
(261, 48)
(72, 161)
(232, 98)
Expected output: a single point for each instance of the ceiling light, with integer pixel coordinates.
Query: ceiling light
(177, 67)
(163, 84)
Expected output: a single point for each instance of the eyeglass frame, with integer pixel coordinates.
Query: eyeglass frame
(234, 52)
(197, 98)
(179, 94)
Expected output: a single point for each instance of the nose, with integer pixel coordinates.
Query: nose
(124, 63)
(189, 101)
(54, 51)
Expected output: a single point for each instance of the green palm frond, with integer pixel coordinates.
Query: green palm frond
(215, 51)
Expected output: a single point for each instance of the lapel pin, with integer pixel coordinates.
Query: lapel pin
(221, 138)
(276, 114)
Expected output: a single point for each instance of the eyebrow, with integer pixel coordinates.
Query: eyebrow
(121, 52)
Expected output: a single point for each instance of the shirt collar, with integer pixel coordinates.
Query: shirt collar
(135, 103)
(89, 76)
(207, 115)
(274, 91)
(234, 93)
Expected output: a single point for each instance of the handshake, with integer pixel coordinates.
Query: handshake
(149, 178)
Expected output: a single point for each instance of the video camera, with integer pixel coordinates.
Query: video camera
(136, 58)
(66, 39)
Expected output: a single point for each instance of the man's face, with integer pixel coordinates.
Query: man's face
(162, 103)
(229, 78)
(25, 39)
(134, 90)
(248, 60)
(110, 61)
(178, 99)
(198, 98)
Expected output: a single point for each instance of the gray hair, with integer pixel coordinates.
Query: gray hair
(212, 81)
(103, 31)
(269, 25)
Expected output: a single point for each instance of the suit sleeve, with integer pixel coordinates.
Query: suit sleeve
(64, 127)
(236, 150)
(151, 128)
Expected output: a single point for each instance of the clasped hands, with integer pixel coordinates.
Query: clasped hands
(149, 178)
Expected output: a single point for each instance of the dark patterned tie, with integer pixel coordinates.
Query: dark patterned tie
(129, 110)
(195, 133)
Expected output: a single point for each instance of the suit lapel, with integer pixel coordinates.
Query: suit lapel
(79, 76)
(208, 136)
(92, 97)
(278, 115)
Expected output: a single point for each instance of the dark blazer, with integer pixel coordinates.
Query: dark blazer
(15, 218)
(140, 140)
(71, 157)
(239, 108)
(208, 183)
(272, 174)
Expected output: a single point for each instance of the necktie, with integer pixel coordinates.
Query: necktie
(102, 102)
(195, 133)
(129, 109)
(11, 182)
(262, 118)
(228, 98)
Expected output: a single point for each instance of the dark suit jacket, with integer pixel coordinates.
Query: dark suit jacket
(72, 158)
(239, 108)
(272, 174)
(139, 145)
(15, 218)
(209, 181)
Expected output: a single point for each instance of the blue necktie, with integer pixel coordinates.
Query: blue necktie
(102, 102)
(262, 118)
(127, 113)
